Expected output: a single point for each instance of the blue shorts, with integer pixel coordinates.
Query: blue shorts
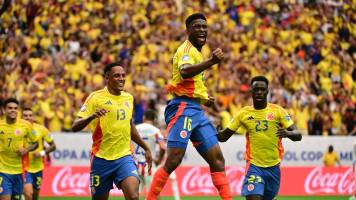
(104, 173)
(186, 120)
(263, 181)
(11, 184)
(34, 178)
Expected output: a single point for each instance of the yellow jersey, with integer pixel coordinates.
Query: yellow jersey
(13, 137)
(263, 147)
(190, 87)
(42, 134)
(330, 159)
(112, 132)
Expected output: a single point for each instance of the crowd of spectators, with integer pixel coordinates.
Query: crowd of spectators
(53, 53)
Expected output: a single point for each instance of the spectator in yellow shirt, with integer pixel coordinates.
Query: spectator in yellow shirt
(331, 158)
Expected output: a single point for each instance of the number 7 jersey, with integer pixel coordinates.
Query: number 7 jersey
(112, 132)
(263, 147)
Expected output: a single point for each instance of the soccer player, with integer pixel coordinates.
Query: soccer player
(330, 158)
(108, 112)
(265, 125)
(153, 137)
(14, 134)
(35, 159)
(184, 115)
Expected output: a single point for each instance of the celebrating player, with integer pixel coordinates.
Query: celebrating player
(153, 137)
(265, 125)
(35, 162)
(12, 148)
(108, 112)
(184, 115)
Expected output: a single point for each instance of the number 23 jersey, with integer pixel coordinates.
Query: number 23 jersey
(263, 147)
(112, 132)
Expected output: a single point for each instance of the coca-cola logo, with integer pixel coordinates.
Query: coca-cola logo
(196, 181)
(68, 183)
(321, 182)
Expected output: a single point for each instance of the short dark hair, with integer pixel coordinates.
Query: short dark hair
(111, 65)
(259, 78)
(193, 17)
(26, 109)
(150, 114)
(11, 100)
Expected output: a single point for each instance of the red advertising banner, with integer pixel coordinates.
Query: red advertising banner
(196, 181)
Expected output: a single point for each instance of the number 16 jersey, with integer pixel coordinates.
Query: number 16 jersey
(112, 132)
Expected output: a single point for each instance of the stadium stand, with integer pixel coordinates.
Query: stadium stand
(53, 53)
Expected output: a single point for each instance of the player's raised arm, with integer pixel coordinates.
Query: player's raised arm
(291, 132)
(80, 123)
(135, 136)
(189, 70)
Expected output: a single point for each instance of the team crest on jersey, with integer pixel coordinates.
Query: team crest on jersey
(185, 58)
(127, 104)
(270, 117)
(183, 134)
(17, 132)
(83, 108)
(250, 187)
(288, 117)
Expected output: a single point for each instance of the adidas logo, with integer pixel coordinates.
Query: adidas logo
(1, 132)
(250, 118)
(108, 103)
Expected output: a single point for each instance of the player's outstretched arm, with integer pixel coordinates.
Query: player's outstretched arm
(80, 123)
(135, 136)
(24, 151)
(292, 133)
(225, 134)
(189, 71)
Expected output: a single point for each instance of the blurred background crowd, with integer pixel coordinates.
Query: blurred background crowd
(53, 53)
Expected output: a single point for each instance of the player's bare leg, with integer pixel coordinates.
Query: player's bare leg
(36, 194)
(216, 161)
(101, 197)
(254, 197)
(5, 197)
(130, 187)
(28, 191)
(174, 158)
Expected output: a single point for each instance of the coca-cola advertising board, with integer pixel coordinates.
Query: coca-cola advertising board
(74, 150)
(196, 181)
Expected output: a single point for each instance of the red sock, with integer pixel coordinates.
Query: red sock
(159, 180)
(222, 184)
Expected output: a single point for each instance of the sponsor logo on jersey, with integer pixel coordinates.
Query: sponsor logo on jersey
(250, 118)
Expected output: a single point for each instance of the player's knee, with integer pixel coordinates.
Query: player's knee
(132, 196)
(28, 195)
(172, 163)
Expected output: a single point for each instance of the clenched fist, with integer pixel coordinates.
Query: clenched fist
(218, 55)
